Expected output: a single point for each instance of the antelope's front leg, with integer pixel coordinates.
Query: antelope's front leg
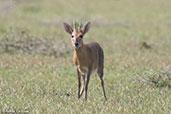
(82, 89)
(79, 82)
(86, 84)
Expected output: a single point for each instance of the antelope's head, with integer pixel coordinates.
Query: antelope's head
(77, 33)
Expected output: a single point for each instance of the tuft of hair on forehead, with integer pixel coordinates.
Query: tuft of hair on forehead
(75, 25)
(78, 30)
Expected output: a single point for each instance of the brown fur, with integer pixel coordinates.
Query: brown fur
(87, 57)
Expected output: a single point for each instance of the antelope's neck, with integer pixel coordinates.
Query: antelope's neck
(80, 51)
(79, 55)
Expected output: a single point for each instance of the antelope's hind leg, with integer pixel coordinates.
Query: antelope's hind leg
(100, 74)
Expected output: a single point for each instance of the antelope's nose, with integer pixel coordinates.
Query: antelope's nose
(76, 44)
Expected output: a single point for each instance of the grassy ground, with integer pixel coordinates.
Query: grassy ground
(135, 36)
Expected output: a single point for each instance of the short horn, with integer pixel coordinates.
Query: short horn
(80, 24)
(74, 24)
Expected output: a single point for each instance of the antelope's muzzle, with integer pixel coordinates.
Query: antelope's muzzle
(76, 44)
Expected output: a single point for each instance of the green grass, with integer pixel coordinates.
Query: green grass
(44, 84)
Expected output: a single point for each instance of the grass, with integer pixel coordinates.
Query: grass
(46, 84)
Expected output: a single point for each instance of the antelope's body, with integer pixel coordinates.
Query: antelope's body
(88, 57)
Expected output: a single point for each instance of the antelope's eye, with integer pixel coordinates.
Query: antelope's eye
(81, 36)
(72, 36)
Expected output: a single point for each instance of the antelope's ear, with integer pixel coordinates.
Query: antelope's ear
(86, 28)
(68, 28)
